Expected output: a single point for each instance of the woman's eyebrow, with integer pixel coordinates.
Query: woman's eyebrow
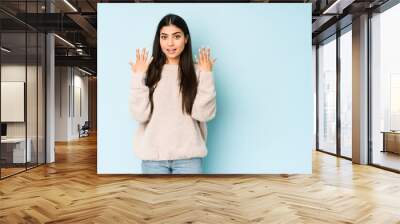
(172, 34)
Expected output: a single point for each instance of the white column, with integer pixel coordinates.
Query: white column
(50, 91)
(360, 90)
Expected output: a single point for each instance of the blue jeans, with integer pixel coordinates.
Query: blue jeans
(180, 166)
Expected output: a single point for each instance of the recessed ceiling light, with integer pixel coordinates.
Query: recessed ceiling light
(70, 5)
(337, 7)
(5, 49)
(86, 72)
(64, 40)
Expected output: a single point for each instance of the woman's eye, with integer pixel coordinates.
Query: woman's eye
(163, 37)
(177, 37)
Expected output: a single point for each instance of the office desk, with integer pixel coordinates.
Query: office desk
(391, 141)
(15, 148)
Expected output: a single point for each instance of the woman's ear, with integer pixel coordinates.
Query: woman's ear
(186, 40)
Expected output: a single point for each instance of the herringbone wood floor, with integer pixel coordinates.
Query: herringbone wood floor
(70, 191)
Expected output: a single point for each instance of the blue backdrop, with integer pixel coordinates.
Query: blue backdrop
(263, 76)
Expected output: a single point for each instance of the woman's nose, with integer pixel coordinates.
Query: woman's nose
(170, 42)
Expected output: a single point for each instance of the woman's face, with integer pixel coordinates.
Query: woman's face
(172, 41)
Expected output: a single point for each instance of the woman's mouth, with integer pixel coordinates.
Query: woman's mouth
(171, 51)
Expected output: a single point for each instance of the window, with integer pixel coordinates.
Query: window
(385, 89)
(346, 92)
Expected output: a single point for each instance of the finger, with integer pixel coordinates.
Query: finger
(146, 53)
(214, 60)
(205, 55)
(137, 55)
(143, 52)
(206, 59)
(209, 54)
(200, 56)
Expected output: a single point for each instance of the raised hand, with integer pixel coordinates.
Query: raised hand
(205, 61)
(142, 61)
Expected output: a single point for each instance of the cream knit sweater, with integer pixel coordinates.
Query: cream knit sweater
(170, 134)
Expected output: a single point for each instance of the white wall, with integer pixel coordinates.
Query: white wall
(71, 93)
(10, 73)
(61, 103)
(33, 127)
(15, 72)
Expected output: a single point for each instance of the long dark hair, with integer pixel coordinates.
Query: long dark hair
(187, 75)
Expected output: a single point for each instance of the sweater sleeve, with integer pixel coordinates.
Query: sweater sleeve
(139, 99)
(204, 105)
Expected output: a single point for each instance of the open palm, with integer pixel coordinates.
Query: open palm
(205, 61)
(142, 61)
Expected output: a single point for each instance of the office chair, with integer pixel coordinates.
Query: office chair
(84, 130)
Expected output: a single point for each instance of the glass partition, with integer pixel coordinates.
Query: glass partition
(13, 109)
(22, 67)
(327, 96)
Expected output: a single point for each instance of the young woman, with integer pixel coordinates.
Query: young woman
(172, 99)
